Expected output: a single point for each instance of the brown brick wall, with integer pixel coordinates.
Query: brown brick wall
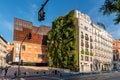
(33, 47)
(20, 35)
(116, 47)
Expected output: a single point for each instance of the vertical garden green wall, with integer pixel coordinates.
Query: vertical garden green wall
(63, 43)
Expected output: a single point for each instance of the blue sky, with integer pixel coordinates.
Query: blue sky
(28, 10)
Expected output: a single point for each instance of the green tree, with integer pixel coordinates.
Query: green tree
(62, 42)
(111, 6)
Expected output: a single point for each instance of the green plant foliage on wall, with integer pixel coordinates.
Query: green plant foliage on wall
(91, 54)
(87, 53)
(62, 43)
(82, 51)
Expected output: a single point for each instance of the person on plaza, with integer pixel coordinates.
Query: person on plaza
(1, 70)
(6, 70)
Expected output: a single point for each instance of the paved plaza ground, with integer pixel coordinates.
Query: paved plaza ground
(25, 70)
(101, 76)
(36, 73)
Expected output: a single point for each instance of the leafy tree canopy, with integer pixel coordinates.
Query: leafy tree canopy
(111, 6)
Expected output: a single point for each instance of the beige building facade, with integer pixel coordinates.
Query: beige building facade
(95, 45)
(103, 52)
(3, 51)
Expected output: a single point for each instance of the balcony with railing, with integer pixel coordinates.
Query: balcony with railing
(82, 36)
(87, 45)
(82, 44)
(86, 37)
(91, 47)
(91, 40)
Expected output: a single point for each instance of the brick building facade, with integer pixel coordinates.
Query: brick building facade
(116, 54)
(33, 50)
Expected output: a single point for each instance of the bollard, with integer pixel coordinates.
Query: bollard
(24, 73)
(15, 74)
(37, 72)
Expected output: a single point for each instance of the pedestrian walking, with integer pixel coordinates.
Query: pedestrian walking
(0, 70)
(6, 70)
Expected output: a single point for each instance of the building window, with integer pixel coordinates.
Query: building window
(23, 47)
(91, 51)
(86, 58)
(86, 44)
(114, 57)
(82, 36)
(86, 50)
(86, 28)
(113, 43)
(91, 47)
(90, 58)
(40, 56)
(82, 48)
(114, 51)
(82, 44)
(91, 40)
(82, 67)
(44, 40)
(91, 67)
(86, 37)
(81, 57)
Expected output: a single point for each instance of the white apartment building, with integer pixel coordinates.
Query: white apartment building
(3, 51)
(103, 52)
(95, 45)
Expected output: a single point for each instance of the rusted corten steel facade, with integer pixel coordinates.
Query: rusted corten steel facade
(33, 50)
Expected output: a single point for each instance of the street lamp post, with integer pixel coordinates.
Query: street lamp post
(28, 36)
